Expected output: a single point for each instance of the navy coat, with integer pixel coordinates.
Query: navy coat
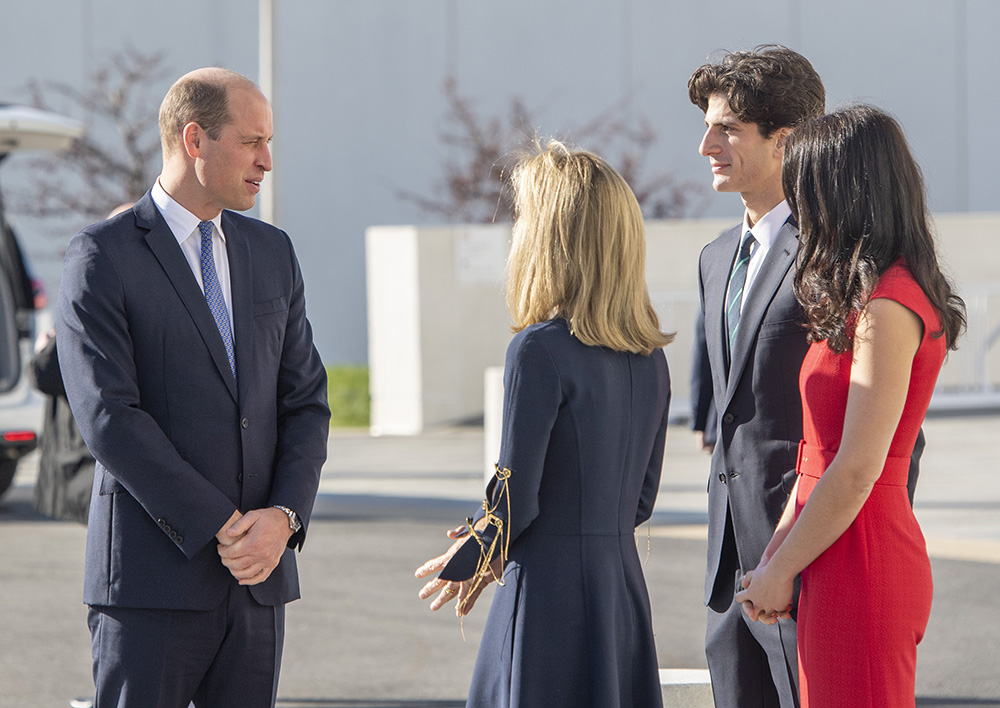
(179, 444)
(583, 436)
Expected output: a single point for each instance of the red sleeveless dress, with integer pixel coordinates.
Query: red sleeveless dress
(865, 601)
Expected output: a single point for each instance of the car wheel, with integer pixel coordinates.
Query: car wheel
(7, 469)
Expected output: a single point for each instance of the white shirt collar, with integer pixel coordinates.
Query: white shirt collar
(182, 223)
(768, 226)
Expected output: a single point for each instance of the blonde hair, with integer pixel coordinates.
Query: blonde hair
(579, 251)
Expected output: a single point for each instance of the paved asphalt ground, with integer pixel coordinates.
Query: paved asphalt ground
(360, 638)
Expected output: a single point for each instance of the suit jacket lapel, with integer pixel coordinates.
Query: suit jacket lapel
(772, 271)
(716, 281)
(164, 246)
(241, 281)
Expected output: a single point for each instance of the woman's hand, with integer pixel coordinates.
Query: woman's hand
(466, 591)
(449, 590)
(766, 596)
(469, 590)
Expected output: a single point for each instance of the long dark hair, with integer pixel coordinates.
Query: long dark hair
(858, 196)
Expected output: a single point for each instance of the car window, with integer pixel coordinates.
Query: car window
(15, 268)
(10, 361)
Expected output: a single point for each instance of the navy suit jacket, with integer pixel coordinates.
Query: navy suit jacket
(759, 409)
(180, 445)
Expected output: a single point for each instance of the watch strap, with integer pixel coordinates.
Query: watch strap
(293, 519)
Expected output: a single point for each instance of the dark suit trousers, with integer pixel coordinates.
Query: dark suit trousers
(223, 658)
(753, 665)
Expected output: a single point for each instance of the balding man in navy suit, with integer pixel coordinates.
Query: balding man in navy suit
(190, 367)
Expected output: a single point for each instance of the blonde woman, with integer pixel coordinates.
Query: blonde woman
(586, 390)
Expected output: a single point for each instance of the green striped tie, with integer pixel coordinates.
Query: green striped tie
(738, 278)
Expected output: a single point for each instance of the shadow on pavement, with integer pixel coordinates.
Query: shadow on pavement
(983, 505)
(367, 703)
(16, 505)
(922, 701)
(373, 507)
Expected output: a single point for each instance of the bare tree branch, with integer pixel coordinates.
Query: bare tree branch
(117, 157)
(475, 185)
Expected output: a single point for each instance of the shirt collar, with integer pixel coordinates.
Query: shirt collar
(768, 226)
(182, 223)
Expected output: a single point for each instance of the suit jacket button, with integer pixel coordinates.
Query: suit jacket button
(179, 540)
(161, 523)
(239, 477)
(734, 475)
(722, 477)
(245, 423)
(728, 418)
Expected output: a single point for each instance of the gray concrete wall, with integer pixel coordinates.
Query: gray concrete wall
(437, 318)
(359, 107)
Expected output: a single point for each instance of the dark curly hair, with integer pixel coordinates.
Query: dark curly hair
(858, 196)
(772, 86)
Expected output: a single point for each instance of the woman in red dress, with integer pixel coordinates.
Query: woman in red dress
(881, 317)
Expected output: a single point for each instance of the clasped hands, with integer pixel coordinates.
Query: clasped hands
(466, 591)
(251, 544)
(765, 595)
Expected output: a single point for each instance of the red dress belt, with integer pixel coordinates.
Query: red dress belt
(813, 461)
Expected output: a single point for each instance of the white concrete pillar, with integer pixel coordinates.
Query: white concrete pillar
(492, 418)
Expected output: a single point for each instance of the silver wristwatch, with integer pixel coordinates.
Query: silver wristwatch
(293, 519)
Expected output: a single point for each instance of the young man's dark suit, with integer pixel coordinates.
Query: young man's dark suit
(753, 465)
(756, 393)
(180, 444)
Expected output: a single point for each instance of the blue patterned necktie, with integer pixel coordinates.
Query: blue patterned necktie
(213, 292)
(737, 280)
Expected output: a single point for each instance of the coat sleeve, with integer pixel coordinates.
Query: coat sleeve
(651, 482)
(532, 396)
(303, 413)
(44, 371)
(703, 411)
(98, 366)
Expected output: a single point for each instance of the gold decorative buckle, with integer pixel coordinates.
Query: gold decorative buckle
(500, 542)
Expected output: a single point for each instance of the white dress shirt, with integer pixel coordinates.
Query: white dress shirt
(764, 232)
(184, 226)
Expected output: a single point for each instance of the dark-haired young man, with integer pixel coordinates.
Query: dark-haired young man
(751, 344)
(754, 343)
